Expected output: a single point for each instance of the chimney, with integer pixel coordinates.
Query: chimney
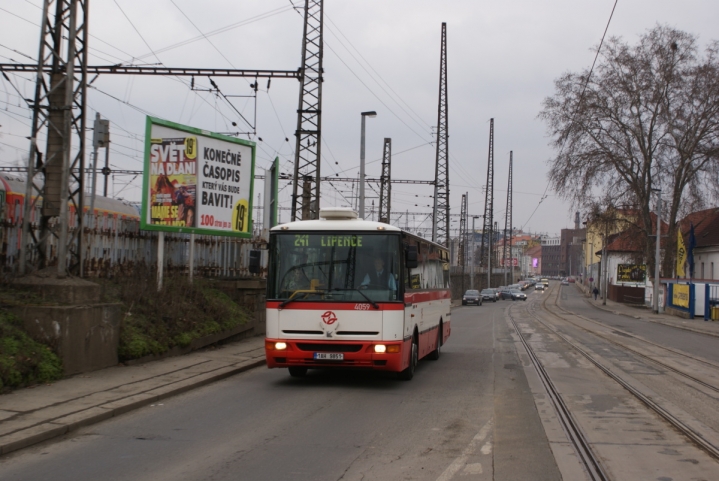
(576, 220)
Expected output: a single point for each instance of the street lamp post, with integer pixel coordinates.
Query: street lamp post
(604, 271)
(371, 113)
(471, 265)
(656, 255)
(591, 263)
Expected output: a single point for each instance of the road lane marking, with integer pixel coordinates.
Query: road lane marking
(473, 468)
(461, 461)
(487, 448)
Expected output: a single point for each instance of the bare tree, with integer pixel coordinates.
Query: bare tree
(646, 118)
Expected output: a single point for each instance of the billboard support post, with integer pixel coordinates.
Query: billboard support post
(192, 256)
(160, 258)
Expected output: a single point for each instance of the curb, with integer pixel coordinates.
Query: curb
(669, 324)
(606, 309)
(64, 425)
(686, 328)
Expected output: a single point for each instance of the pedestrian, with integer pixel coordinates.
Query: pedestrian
(595, 292)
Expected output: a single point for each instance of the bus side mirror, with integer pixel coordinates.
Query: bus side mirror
(255, 256)
(410, 257)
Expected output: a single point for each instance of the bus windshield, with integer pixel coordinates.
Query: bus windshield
(358, 267)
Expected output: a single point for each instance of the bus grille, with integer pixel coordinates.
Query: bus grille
(357, 333)
(305, 346)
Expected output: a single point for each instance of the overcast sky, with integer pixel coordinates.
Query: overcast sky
(380, 55)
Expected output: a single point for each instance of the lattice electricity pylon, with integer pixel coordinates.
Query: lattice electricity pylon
(385, 183)
(507, 254)
(55, 179)
(462, 261)
(309, 118)
(487, 232)
(440, 221)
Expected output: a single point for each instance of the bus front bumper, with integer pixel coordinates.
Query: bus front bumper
(348, 354)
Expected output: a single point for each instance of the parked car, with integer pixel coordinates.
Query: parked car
(496, 293)
(472, 297)
(489, 295)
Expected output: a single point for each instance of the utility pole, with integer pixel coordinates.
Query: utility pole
(508, 220)
(440, 217)
(507, 254)
(463, 236)
(385, 186)
(309, 117)
(56, 179)
(486, 255)
(370, 114)
(474, 255)
(100, 138)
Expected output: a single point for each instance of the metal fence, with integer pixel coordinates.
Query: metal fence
(114, 245)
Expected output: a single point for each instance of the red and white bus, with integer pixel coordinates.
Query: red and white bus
(345, 292)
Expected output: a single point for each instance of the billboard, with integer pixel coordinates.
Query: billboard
(196, 181)
(632, 273)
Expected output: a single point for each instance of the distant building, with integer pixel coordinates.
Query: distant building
(570, 252)
(706, 235)
(551, 255)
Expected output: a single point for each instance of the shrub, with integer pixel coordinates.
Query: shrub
(24, 361)
(155, 322)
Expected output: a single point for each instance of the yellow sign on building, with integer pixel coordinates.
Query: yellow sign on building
(680, 295)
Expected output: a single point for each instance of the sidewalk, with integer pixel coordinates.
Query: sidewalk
(32, 415)
(697, 324)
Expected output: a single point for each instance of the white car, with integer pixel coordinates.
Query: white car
(539, 287)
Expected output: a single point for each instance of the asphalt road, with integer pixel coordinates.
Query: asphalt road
(468, 416)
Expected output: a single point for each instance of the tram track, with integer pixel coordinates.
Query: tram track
(692, 434)
(576, 436)
(656, 361)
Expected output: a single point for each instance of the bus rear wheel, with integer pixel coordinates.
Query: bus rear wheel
(297, 371)
(434, 355)
(408, 373)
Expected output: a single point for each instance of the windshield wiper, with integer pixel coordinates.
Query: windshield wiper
(374, 304)
(292, 297)
(285, 302)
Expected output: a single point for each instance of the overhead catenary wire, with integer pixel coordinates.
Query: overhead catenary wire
(581, 96)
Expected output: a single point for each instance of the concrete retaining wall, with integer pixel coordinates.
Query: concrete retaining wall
(86, 334)
(85, 337)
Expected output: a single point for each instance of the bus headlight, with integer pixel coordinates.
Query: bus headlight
(280, 346)
(380, 348)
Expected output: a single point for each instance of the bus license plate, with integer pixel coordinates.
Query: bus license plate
(329, 356)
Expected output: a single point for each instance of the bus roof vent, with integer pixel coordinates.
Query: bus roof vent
(338, 213)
